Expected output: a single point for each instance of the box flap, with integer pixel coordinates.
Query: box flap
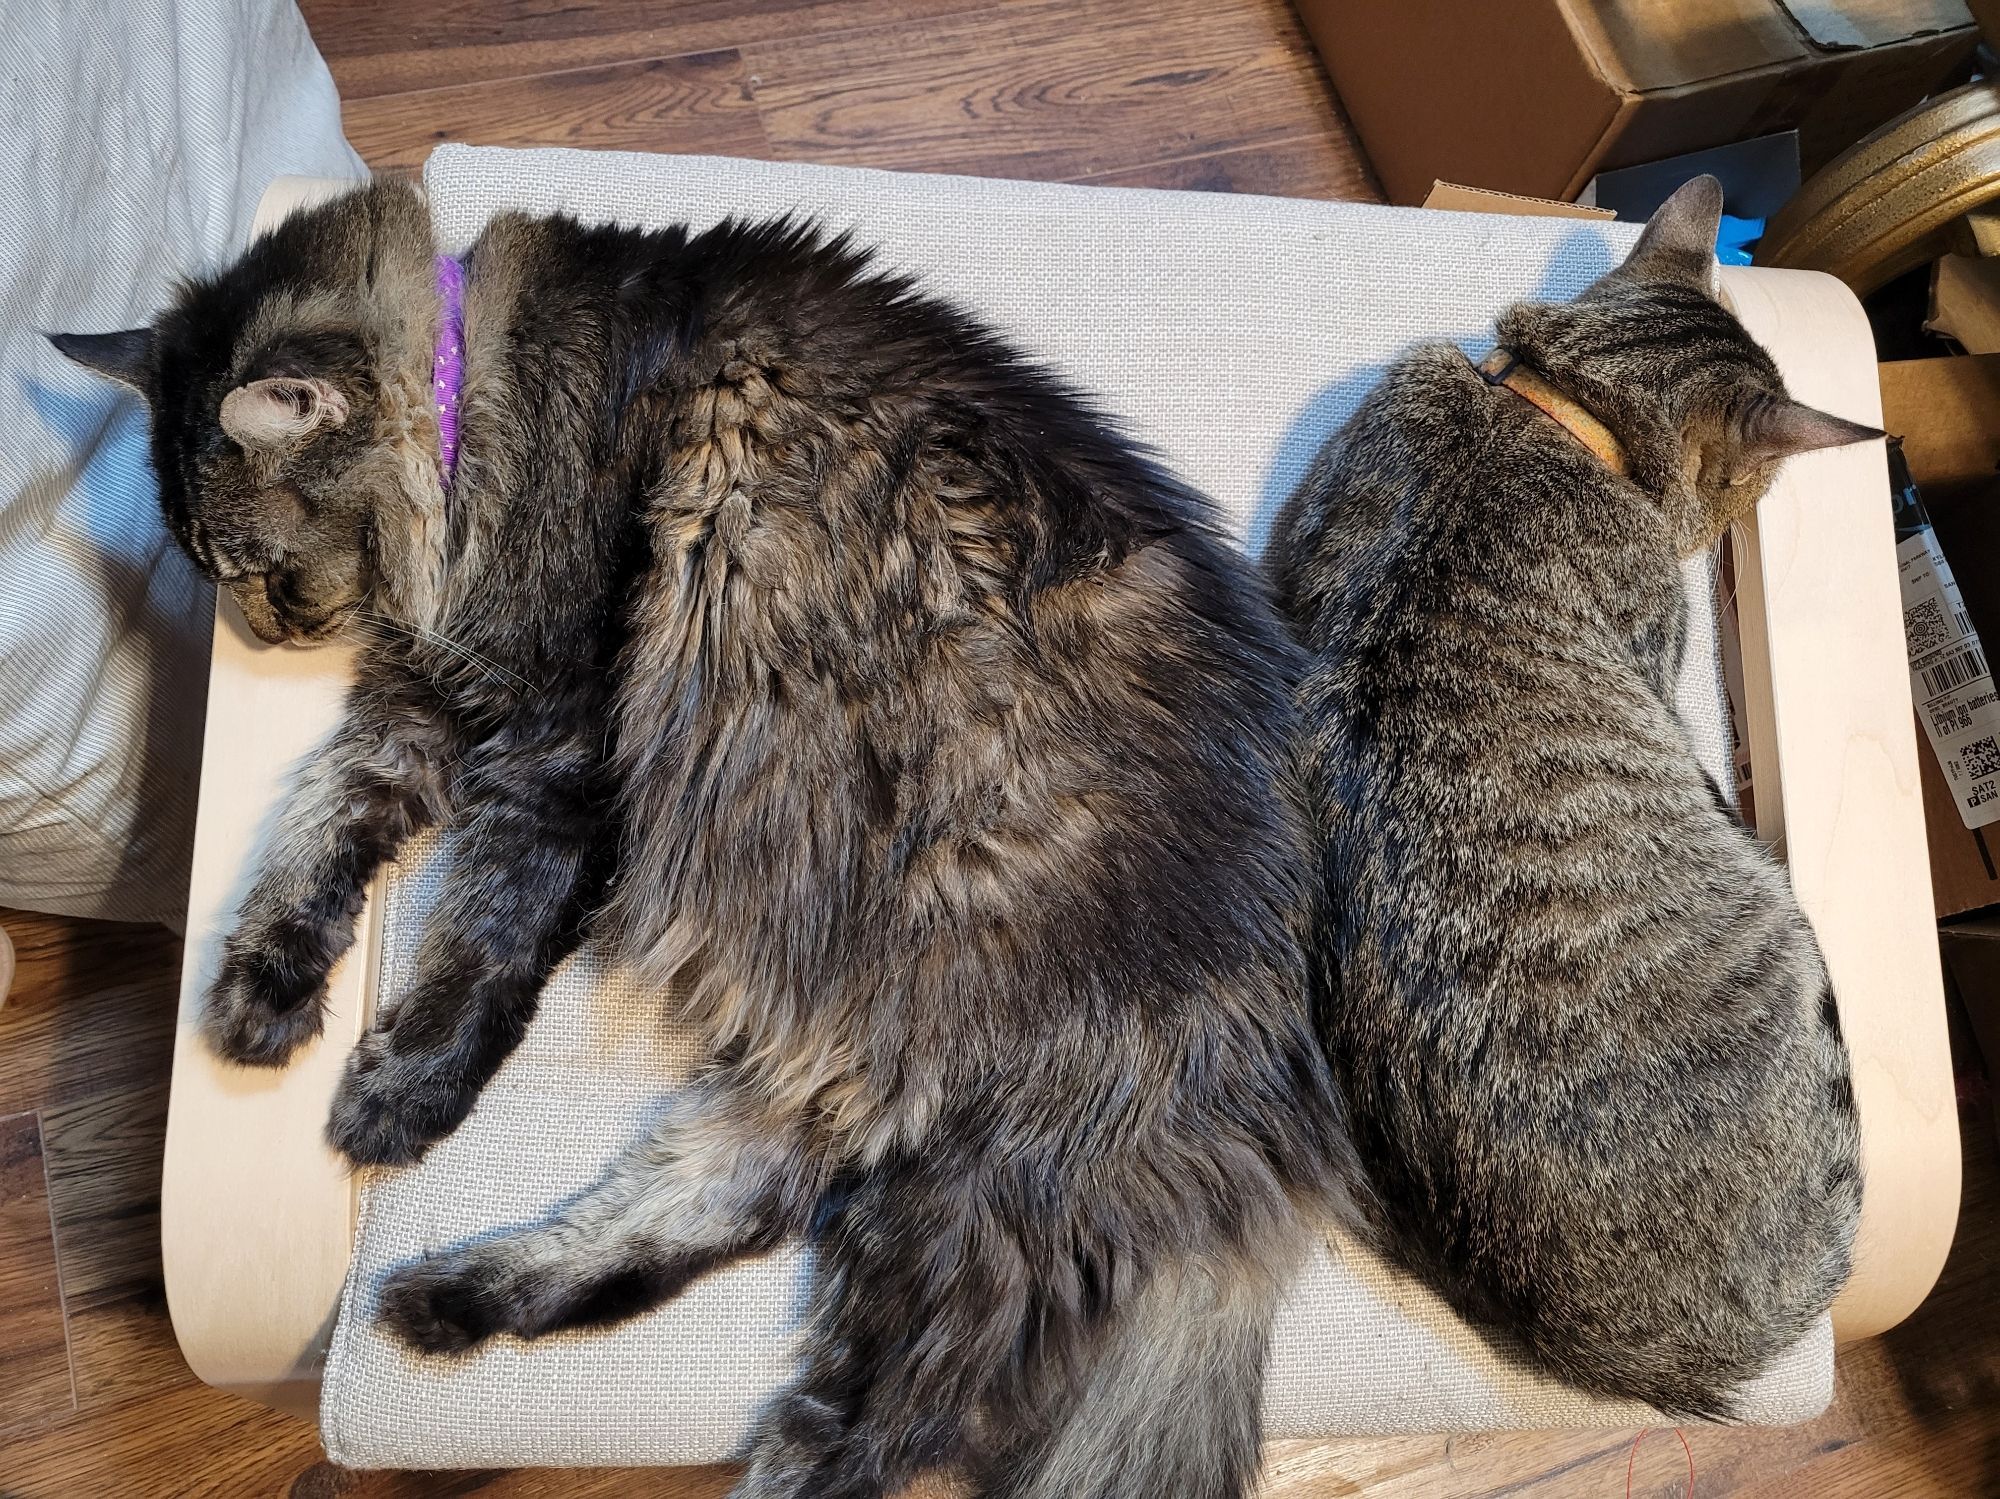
(1456, 199)
(1845, 24)
(1965, 302)
(1970, 930)
(1646, 45)
(1653, 45)
(1501, 95)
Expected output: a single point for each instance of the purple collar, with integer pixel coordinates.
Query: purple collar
(448, 364)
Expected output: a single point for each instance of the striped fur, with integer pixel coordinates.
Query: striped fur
(1593, 1058)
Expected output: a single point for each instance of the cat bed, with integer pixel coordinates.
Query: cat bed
(1231, 333)
(144, 132)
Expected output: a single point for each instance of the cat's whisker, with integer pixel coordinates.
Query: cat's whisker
(457, 649)
(472, 658)
(383, 631)
(1737, 537)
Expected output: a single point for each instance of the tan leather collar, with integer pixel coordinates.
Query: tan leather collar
(1502, 368)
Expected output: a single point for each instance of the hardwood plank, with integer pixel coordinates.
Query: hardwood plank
(193, 1441)
(92, 1009)
(123, 1347)
(1311, 166)
(104, 1156)
(1423, 1465)
(184, 1443)
(1062, 88)
(374, 48)
(522, 1483)
(1540, 1464)
(1960, 1463)
(34, 1346)
(698, 103)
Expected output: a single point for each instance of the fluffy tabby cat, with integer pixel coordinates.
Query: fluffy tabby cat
(1586, 1036)
(784, 624)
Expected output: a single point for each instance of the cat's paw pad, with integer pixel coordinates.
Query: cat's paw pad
(390, 1109)
(445, 1305)
(258, 1011)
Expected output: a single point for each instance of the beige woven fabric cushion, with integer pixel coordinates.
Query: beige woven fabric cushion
(1232, 333)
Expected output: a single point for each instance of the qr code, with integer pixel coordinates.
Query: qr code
(1981, 758)
(1925, 627)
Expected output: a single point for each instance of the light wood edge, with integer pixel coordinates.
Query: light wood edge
(1833, 752)
(256, 1213)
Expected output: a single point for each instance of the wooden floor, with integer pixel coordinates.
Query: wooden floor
(1222, 94)
(1214, 94)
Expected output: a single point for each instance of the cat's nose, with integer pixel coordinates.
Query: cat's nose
(252, 598)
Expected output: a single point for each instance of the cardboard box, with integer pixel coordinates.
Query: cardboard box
(1538, 96)
(1965, 302)
(1947, 411)
(1972, 962)
(1987, 14)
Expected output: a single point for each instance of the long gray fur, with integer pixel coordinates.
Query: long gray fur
(787, 629)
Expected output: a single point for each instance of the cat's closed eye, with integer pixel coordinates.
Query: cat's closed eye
(1714, 468)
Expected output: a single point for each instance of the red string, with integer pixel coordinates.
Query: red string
(1634, 1457)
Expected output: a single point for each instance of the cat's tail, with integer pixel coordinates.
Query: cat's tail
(1170, 1403)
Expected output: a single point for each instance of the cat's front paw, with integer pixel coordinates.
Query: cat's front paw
(261, 1008)
(454, 1301)
(391, 1108)
(446, 1304)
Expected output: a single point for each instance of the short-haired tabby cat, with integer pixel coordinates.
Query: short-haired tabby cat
(783, 623)
(1587, 1041)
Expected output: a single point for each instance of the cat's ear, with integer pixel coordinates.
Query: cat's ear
(276, 414)
(125, 356)
(1679, 241)
(1775, 429)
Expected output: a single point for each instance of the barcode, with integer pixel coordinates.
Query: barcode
(1924, 624)
(1953, 671)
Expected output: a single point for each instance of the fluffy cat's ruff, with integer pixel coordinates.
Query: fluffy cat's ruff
(783, 622)
(1587, 1040)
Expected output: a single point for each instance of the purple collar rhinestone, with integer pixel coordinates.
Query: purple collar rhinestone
(448, 365)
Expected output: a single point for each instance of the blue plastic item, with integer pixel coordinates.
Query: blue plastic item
(1735, 239)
